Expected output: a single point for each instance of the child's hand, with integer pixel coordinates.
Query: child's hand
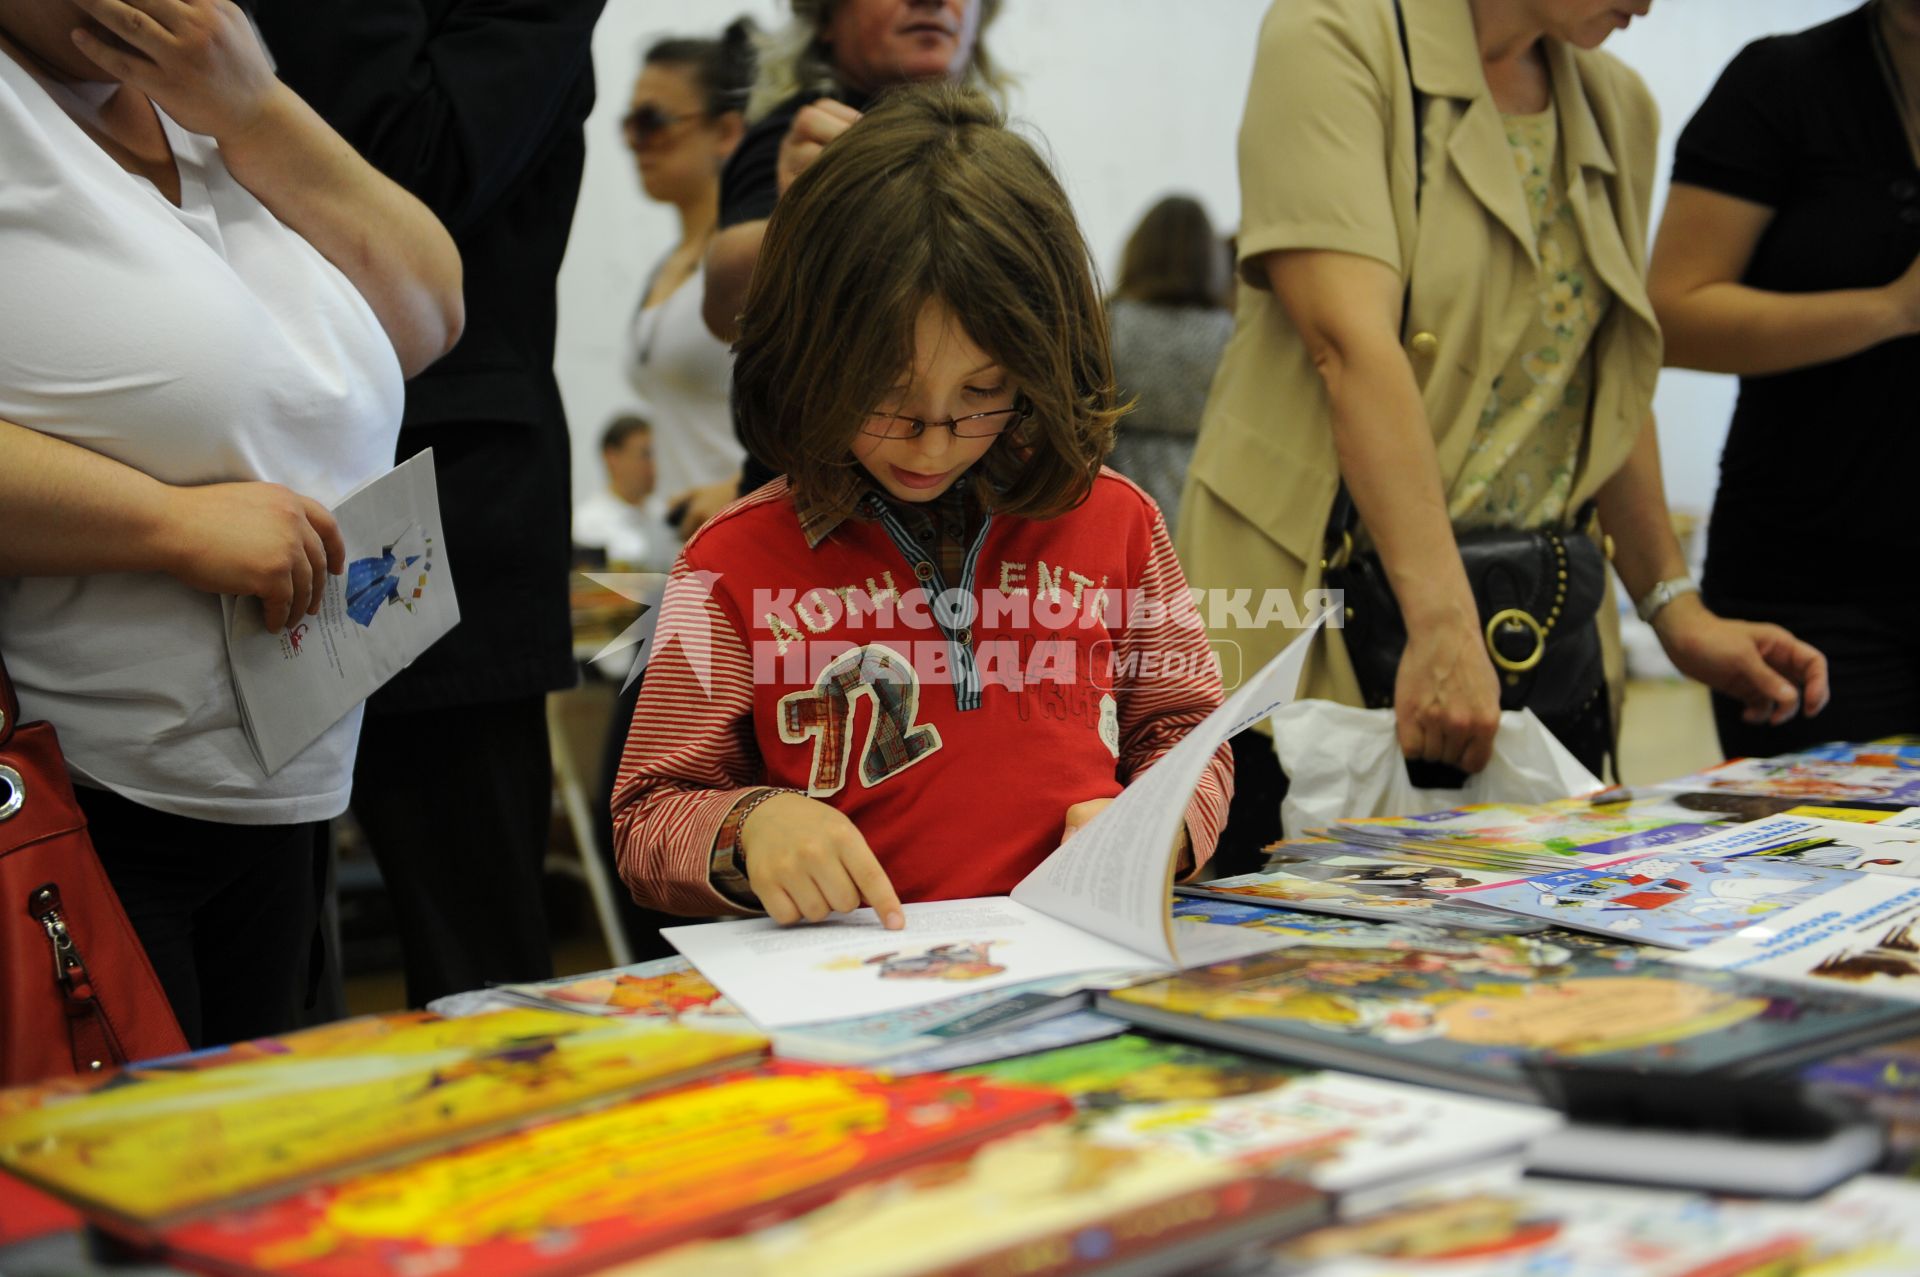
(806, 860)
(1080, 813)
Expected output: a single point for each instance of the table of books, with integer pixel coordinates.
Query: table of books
(1671, 1032)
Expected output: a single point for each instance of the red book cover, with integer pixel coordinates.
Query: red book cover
(26, 1212)
(574, 1195)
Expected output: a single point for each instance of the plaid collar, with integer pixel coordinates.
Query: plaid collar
(817, 523)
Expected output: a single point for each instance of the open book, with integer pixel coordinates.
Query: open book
(1100, 903)
(392, 603)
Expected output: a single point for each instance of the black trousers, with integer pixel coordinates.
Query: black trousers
(1873, 662)
(227, 913)
(456, 804)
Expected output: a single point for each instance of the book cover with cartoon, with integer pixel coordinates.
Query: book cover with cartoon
(1550, 835)
(152, 1143)
(1474, 1022)
(1676, 902)
(574, 1195)
(1354, 888)
(1809, 779)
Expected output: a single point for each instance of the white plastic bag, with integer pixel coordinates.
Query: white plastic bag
(1346, 762)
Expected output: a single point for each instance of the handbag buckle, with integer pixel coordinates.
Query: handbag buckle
(1340, 558)
(16, 792)
(1511, 621)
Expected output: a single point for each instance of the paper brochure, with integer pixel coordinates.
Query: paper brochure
(393, 602)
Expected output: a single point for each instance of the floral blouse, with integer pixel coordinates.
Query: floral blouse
(1519, 471)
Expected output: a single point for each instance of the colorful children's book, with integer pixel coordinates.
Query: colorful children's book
(1889, 751)
(1863, 938)
(671, 990)
(1877, 847)
(1473, 1022)
(1545, 836)
(152, 1144)
(1049, 1203)
(1298, 882)
(1684, 899)
(1811, 780)
(1885, 1081)
(1367, 1135)
(1863, 1229)
(582, 1192)
(26, 1213)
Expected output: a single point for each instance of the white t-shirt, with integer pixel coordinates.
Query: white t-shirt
(634, 535)
(201, 344)
(683, 375)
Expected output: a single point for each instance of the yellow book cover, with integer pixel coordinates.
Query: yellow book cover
(153, 1144)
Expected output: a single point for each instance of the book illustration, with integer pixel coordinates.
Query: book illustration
(1545, 833)
(578, 1193)
(152, 1143)
(294, 685)
(1534, 948)
(1891, 751)
(1134, 1091)
(1048, 1203)
(1666, 900)
(1863, 936)
(1131, 1069)
(1811, 780)
(1313, 928)
(397, 575)
(1568, 1229)
(1474, 1023)
(959, 961)
(1388, 900)
(1861, 847)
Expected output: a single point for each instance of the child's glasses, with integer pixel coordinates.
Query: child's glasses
(978, 425)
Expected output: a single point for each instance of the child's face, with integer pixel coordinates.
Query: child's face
(951, 377)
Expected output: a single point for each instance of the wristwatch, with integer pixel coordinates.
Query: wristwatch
(1662, 594)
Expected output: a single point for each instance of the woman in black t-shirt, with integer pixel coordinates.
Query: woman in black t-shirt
(1787, 255)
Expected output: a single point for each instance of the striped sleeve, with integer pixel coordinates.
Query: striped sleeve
(690, 754)
(1168, 684)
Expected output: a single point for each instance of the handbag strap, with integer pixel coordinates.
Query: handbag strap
(1344, 518)
(9, 705)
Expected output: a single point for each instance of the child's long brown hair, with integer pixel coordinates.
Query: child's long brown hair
(928, 197)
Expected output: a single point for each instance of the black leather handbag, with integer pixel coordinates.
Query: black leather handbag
(1538, 595)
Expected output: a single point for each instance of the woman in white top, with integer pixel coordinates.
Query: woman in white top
(211, 302)
(685, 120)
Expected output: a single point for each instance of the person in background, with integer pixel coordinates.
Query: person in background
(478, 107)
(1789, 254)
(686, 118)
(627, 519)
(1444, 212)
(1170, 322)
(210, 304)
(816, 75)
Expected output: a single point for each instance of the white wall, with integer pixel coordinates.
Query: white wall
(1133, 98)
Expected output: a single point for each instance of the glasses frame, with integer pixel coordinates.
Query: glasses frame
(918, 426)
(661, 122)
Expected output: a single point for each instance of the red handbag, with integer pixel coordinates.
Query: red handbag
(77, 993)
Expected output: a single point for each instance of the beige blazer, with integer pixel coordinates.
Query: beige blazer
(1326, 162)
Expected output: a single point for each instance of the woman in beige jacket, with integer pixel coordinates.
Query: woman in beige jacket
(1525, 383)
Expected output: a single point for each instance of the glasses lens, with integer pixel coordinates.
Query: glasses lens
(886, 426)
(644, 123)
(980, 425)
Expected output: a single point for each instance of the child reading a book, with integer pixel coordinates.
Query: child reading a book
(924, 356)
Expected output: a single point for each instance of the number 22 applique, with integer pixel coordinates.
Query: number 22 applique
(823, 714)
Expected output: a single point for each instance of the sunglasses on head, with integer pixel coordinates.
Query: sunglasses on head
(645, 123)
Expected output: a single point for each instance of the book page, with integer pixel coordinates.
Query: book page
(1114, 876)
(393, 602)
(852, 966)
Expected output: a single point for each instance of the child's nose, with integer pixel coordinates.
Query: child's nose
(936, 440)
